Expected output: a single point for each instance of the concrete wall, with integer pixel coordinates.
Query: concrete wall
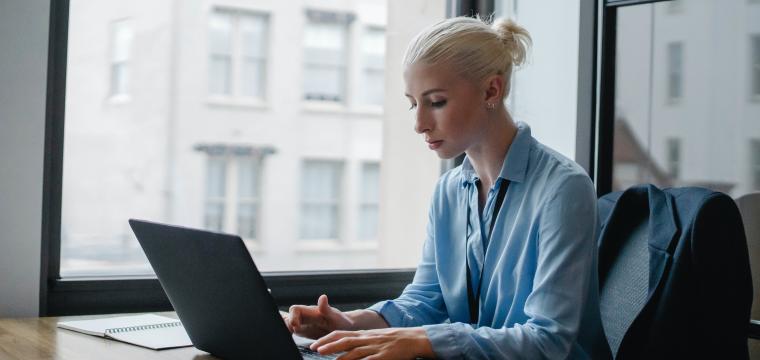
(23, 69)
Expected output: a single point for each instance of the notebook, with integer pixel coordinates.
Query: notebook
(149, 330)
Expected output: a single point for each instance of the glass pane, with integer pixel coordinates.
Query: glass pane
(119, 78)
(550, 74)
(253, 35)
(373, 90)
(175, 173)
(323, 83)
(220, 33)
(708, 137)
(368, 222)
(246, 220)
(213, 218)
(216, 174)
(220, 75)
(370, 192)
(252, 78)
(248, 187)
(325, 36)
(122, 41)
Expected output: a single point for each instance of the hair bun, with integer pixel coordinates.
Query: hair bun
(515, 38)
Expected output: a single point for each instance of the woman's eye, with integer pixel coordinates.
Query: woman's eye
(438, 104)
(412, 106)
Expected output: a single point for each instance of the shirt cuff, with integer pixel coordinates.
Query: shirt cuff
(393, 314)
(443, 341)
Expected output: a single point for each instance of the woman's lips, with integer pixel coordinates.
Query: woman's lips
(434, 144)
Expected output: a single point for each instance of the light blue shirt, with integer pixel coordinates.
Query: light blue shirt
(539, 293)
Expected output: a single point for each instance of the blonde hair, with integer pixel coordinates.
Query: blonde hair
(476, 48)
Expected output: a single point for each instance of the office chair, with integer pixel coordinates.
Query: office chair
(674, 275)
(749, 207)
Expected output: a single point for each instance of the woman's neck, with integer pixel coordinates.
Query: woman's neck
(487, 157)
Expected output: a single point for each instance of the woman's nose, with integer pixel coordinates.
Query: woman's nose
(421, 123)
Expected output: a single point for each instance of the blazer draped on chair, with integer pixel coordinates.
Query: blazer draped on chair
(699, 293)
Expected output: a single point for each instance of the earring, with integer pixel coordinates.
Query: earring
(491, 106)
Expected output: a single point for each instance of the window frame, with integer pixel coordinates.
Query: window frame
(342, 22)
(121, 92)
(348, 289)
(237, 56)
(603, 121)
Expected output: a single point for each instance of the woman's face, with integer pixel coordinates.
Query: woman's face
(450, 110)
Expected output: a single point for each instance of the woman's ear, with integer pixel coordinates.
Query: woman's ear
(494, 89)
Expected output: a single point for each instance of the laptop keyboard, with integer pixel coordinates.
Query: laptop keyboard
(307, 353)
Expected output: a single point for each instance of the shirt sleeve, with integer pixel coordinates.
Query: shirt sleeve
(566, 229)
(421, 302)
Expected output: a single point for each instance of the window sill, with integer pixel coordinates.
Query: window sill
(334, 246)
(232, 102)
(119, 99)
(325, 107)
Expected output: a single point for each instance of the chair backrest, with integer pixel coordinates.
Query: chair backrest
(624, 291)
(749, 207)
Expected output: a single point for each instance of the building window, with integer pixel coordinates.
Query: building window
(373, 71)
(674, 157)
(369, 200)
(325, 56)
(675, 71)
(755, 163)
(247, 197)
(755, 62)
(121, 49)
(216, 185)
(232, 195)
(237, 54)
(320, 199)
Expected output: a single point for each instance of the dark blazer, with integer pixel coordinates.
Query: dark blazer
(700, 288)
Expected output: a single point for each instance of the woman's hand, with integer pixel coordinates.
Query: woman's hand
(390, 343)
(316, 321)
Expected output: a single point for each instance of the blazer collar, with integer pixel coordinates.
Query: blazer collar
(634, 204)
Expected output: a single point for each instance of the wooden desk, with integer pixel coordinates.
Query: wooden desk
(39, 338)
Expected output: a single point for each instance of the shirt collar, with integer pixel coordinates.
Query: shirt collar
(515, 162)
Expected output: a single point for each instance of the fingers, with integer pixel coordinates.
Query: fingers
(330, 338)
(286, 319)
(358, 353)
(323, 305)
(299, 314)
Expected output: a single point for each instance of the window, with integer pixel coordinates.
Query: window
(320, 204)
(369, 201)
(121, 49)
(545, 77)
(650, 65)
(654, 135)
(216, 185)
(325, 56)
(755, 65)
(237, 54)
(755, 163)
(232, 182)
(675, 71)
(373, 58)
(674, 157)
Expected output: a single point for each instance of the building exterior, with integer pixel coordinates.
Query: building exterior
(688, 87)
(263, 119)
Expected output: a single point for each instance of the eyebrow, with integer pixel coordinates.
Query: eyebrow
(429, 91)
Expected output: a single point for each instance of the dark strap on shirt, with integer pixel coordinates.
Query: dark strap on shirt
(473, 297)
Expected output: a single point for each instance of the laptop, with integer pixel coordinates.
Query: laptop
(218, 293)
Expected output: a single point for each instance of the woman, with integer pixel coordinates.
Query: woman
(527, 291)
